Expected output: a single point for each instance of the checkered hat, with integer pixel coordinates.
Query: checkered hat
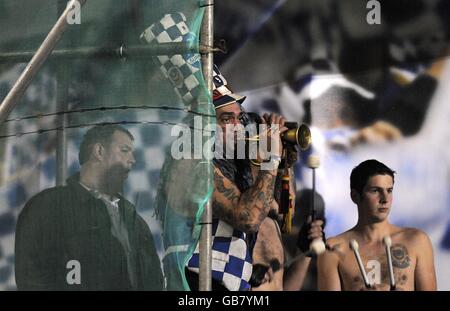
(222, 94)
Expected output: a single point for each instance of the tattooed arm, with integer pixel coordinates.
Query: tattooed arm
(424, 275)
(244, 211)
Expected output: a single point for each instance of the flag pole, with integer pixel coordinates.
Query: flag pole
(27, 76)
(205, 243)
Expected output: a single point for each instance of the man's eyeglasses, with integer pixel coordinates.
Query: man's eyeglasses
(231, 118)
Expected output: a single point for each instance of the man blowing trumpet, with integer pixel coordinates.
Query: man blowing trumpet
(376, 255)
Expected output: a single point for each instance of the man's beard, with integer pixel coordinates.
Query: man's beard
(114, 179)
(235, 146)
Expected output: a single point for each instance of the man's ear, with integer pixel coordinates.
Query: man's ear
(356, 197)
(98, 151)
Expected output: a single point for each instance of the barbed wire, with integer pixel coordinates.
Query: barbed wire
(106, 108)
(41, 131)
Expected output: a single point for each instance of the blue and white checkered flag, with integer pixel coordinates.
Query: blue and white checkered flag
(183, 71)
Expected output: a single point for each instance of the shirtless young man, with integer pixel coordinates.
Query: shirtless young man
(371, 184)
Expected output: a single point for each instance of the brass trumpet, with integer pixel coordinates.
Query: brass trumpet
(297, 135)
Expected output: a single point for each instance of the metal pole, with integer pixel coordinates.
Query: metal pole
(313, 197)
(205, 247)
(36, 62)
(62, 105)
(61, 137)
(134, 51)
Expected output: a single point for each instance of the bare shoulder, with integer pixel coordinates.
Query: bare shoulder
(411, 241)
(338, 246)
(412, 236)
(340, 242)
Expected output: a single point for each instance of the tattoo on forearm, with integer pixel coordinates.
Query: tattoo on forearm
(228, 193)
(257, 199)
(221, 212)
(248, 210)
(277, 192)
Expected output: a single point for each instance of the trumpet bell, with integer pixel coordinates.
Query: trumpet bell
(300, 136)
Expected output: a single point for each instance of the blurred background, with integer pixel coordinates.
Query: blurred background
(367, 91)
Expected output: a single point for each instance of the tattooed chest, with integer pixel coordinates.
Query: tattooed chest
(376, 267)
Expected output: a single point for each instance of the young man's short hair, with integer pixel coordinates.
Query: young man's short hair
(98, 134)
(361, 173)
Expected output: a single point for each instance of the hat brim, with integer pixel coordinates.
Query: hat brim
(228, 100)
